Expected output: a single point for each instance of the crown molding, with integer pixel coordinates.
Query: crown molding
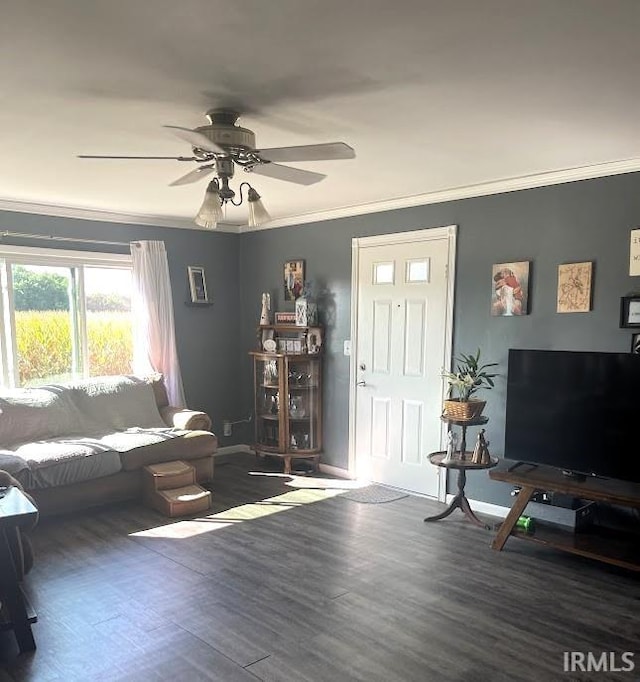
(501, 186)
(77, 213)
(466, 192)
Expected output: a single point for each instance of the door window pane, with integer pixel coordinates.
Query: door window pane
(109, 334)
(418, 270)
(383, 273)
(44, 324)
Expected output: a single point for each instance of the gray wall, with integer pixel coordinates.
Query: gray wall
(587, 220)
(207, 337)
(581, 221)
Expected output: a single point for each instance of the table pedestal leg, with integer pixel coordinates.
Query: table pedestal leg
(461, 502)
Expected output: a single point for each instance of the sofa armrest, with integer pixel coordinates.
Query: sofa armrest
(189, 420)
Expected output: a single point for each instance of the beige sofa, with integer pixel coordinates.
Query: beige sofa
(85, 443)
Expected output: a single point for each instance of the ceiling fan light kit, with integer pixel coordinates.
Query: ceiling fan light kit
(222, 145)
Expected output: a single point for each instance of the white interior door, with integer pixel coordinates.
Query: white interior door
(403, 336)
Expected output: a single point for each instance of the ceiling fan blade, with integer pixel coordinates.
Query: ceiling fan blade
(196, 139)
(297, 175)
(192, 176)
(308, 152)
(172, 158)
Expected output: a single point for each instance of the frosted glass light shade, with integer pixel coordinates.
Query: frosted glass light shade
(258, 214)
(210, 213)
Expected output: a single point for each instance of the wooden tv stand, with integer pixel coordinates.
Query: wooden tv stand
(614, 547)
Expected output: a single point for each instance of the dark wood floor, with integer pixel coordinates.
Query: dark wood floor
(295, 589)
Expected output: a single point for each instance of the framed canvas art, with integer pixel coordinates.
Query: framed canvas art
(574, 287)
(510, 289)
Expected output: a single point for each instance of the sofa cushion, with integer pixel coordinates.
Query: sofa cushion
(116, 403)
(190, 445)
(69, 460)
(59, 462)
(37, 414)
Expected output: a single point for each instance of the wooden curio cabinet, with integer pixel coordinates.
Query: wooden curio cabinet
(288, 406)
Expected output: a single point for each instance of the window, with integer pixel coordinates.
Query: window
(65, 315)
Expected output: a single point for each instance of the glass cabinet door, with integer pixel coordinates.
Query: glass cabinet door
(302, 393)
(267, 402)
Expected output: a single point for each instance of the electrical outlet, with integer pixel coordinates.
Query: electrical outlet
(226, 428)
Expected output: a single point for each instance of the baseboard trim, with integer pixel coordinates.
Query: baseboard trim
(242, 448)
(232, 450)
(485, 507)
(336, 472)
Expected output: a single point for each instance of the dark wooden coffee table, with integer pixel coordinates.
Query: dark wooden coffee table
(16, 511)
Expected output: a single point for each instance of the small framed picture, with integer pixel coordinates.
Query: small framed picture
(635, 344)
(197, 284)
(293, 279)
(630, 311)
(510, 289)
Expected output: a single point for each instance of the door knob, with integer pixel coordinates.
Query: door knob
(361, 383)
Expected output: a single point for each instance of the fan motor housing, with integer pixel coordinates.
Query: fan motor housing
(229, 136)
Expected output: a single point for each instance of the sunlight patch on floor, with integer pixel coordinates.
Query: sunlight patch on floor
(179, 530)
(294, 481)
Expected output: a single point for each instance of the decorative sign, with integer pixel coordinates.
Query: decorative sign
(634, 253)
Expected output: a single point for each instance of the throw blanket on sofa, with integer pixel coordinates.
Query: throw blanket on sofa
(90, 422)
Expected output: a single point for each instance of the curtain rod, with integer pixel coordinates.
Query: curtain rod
(26, 235)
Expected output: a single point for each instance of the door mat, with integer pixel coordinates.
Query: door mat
(373, 494)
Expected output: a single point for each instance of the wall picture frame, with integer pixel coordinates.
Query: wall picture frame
(630, 312)
(293, 279)
(574, 287)
(510, 289)
(197, 285)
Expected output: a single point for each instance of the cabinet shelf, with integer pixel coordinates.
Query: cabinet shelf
(612, 547)
(291, 339)
(269, 416)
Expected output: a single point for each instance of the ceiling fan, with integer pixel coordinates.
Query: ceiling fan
(222, 145)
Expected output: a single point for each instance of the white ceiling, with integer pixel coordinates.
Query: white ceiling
(433, 95)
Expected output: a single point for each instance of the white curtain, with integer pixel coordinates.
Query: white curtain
(154, 338)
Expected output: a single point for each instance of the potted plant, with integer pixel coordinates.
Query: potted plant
(468, 377)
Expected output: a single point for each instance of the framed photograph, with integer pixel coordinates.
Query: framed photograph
(197, 284)
(630, 311)
(635, 344)
(510, 289)
(574, 287)
(293, 279)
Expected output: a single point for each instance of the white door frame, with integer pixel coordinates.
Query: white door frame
(449, 232)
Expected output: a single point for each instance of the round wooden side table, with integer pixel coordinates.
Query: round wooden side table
(460, 501)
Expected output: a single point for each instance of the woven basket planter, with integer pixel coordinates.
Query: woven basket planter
(464, 411)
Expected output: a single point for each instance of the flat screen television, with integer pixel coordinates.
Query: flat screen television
(577, 411)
